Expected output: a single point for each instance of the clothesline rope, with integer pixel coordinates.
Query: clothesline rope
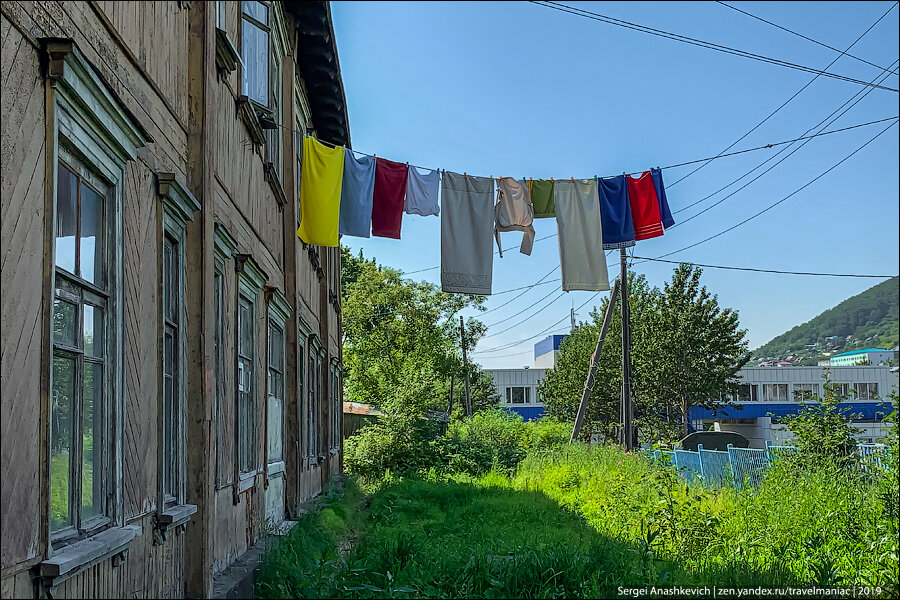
(681, 164)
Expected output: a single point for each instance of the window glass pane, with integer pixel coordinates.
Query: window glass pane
(92, 441)
(255, 56)
(66, 213)
(62, 398)
(169, 412)
(64, 322)
(257, 10)
(275, 430)
(93, 331)
(220, 15)
(91, 240)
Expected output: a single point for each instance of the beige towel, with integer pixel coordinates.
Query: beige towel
(580, 235)
(467, 222)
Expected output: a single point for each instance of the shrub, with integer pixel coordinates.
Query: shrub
(395, 443)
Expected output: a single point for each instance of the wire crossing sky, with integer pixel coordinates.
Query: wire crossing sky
(518, 90)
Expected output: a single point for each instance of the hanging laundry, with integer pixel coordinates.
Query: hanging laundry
(615, 213)
(514, 212)
(422, 193)
(387, 201)
(357, 188)
(664, 212)
(580, 235)
(320, 193)
(542, 198)
(644, 207)
(467, 220)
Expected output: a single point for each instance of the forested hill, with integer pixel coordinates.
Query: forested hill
(871, 318)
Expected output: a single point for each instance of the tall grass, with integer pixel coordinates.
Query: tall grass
(578, 522)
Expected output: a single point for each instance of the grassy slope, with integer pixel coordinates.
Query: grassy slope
(580, 523)
(873, 312)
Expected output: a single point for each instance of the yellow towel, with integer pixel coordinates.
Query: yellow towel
(320, 192)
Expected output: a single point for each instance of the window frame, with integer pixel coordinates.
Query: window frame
(869, 395)
(767, 387)
(805, 392)
(178, 208)
(526, 395)
(71, 287)
(301, 128)
(266, 28)
(250, 282)
(223, 249)
(278, 315)
(313, 410)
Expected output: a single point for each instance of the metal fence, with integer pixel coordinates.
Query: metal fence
(746, 466)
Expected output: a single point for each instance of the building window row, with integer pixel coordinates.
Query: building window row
(779, 392)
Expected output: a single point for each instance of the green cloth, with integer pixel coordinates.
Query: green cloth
(542, 198)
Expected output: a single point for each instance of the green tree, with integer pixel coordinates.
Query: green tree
(686, 350)
(823, 430)
(700, 348)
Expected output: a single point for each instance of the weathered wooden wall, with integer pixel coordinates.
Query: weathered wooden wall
(140, 49)
(21, 313)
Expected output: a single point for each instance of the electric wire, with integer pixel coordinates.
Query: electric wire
(800, 35)
(852, 101)
(526, 288)
(696, 42)
(757, 270)
(774, 204)
(789, 100)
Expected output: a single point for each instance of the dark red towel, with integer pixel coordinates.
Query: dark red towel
(644, 207)
(387, 203)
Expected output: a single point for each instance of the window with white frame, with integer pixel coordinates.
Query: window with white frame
(841, 390)
(255, 31)
(866, 391)
(518, 395)
(81, 365)
(806, 391)
(775, 392)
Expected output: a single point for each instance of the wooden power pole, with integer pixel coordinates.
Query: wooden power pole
(626, 438)
(462, 340)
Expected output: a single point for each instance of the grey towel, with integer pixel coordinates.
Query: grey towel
(467, 224)
(580, 235)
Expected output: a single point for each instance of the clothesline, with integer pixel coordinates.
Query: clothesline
(674, 166)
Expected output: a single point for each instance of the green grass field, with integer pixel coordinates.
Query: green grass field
(579, 523)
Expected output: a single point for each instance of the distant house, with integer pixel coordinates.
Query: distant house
(873, 356)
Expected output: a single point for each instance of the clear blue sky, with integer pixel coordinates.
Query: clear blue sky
(516, 89)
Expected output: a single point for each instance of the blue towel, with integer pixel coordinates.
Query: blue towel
(664, 212)
(615, 213)
(357, 190)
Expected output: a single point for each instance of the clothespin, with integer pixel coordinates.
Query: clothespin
(573, 180)
(551, 180)
(465, 174)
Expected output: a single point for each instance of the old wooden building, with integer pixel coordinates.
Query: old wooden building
(171, 351)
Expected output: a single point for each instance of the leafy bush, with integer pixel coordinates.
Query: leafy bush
(496, 440)
(823, 432)
(395, 443)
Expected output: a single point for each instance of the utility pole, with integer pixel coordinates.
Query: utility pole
(626, 438)
(572, 318)
(450, 410)
(462, 341)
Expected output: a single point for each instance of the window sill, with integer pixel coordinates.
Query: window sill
(247, 113)
(73, 559)
(275, 184)
(246, 481)
(173, 518)
(227, 57)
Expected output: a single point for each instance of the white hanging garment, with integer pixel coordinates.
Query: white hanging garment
(514, 212)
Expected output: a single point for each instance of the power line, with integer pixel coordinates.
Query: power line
(789, 100)
(814, 41)
(526, 288)
(496, 252)
(696, 42)
(514, 325)
(774, 204)
(852, 101)
(755, 270)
